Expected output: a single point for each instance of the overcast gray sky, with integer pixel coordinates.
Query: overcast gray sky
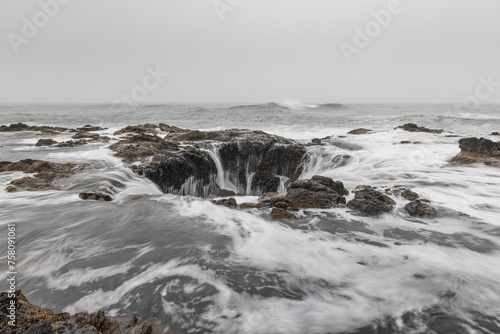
(262, 50)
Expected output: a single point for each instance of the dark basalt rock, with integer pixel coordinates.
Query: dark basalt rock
(45, 174)
(495, 134)
(24, 127)
(33, 319)
(140, 146)
(271, 198)
(410, 127)
(403, 192)
(192, 169)
(360, 131)
(172, 129)
(72, 143)
(86, 135)
(336, 186)
(223, 193)
(420, 209)
(14, 127)
(226, 136)
(171, 171)
(369, 201)
(316, 141)
(308, 194)
(474, 150)
(46, 142)
(90, 128)
(409, 195)
(140, 129)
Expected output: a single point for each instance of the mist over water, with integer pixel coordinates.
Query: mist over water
(209, 269)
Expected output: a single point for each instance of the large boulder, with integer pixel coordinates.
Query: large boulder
(371, 202)
(336, 186)
(478, 150)
(304, 194)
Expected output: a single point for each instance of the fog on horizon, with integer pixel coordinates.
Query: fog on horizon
(55, 51)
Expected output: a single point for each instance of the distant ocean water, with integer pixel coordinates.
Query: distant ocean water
(206, 268)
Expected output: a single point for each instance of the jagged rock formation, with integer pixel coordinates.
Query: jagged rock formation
(410, 127)
(474, 150)
(403, 192)
(24, 127)
(33, 319)
(44, 129)
(420, 209)
(192, 162)
(83, 138)
(45, 173)
(371, 202)
(305, 194)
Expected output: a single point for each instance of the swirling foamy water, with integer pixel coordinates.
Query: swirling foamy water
(209, 269)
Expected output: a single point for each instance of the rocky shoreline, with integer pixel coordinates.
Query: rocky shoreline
(32, 319)
(190, 162)
(183, 161)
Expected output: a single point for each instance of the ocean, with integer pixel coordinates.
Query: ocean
(203, 268)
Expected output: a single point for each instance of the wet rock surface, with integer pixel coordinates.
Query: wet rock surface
(141, 146)
(410, 127)
(370, 202)
(478, 150)
(271, 198)
(46, 142)
(139, 129)
(40, 128)
(103, 193)
(309, 194)
(45, 173)
(402, 191)
(360, 131)
(277, 213)
(33, 319)
(188, 161)
(420, 209)
(228, 203)
(336, 186)
(89, 128)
